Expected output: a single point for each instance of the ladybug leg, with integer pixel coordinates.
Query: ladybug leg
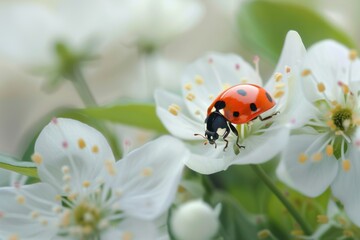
(233, 129)
(267, 118)
(224, 138)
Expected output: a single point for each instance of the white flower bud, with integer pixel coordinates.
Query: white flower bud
(195, 220)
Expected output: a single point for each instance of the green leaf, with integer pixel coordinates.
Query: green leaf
(263, 26)
(22, 167)
(137, 115)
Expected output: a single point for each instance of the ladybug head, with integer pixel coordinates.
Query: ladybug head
(216, 124)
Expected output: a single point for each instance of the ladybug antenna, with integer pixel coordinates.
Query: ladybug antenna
(197, 134)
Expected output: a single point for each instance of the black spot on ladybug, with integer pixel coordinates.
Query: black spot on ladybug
(236, 114)
(242, 92)
(268, 97)
(219, 105)
(253, 107)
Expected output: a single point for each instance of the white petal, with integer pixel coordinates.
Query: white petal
(346, 186)
(311, 177)
(217, 71)
(132, 228)
(183, 125)
(207, 159)
(4, 177)
(58, 144)
(292, 53)
(39, 197)
(149, 176)
(329, 63)
(262, 148)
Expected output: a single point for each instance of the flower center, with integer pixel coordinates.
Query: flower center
(342, 118)
(87, 216)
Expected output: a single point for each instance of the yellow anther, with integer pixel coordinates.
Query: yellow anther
(67, 188)
(329, 150)
(72, 196)
(279, 93)
(356, 122)
(244, 81)
(353, 54)
(65, 169)
(181, 189)
(197, 112)
(13, 237)
(302, 158)
(323, 219)
(297, 232)
(342, 221)
(331, 124)
(321, 87)
(188, 86)
(263, 234)
(345, 88)
(95, 149)
(66, 218)
(146, 172)
(278, 77)
(58, 198)
(127, 236)
(211, 97)
(86, 230)
(37, 158)
(81, 143)
(86, 184)
(109, 166)
(44, 222)
(226, 86)
(20, 199)
(317, 156)
(348, 233)
(199, 79)
(334, 103)
(174, 109)
(34, 214)
(280, 85)
(346, 165)
(306, 72)
(57, 209)
(287, 69)
(190, 96)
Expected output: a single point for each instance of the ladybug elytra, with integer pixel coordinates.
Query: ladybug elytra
(238, 104)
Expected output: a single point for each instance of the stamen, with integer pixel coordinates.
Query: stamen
(280, 85)
(54, 120)
(322, 219)
(287, 69)
(95, 149)
(37, 158)
(317, 156)
(13, 237)
(211, 97)
(147, 172)
(174, 109)
(188, 86)
(353, 54)
(346, 165)
(65, 169)
(81, 143)
(225, 86)
(237, 66)
(199, 79)
(34, 214)
(190, 96)
(278, 77)
(302, 158)
(329, 150)
(297, 232)
(348, 233)
(127, 236)
(279, 93)
(109, 165)
(306, 72)
(65, 144)
(20, 199)
(321, 87)
(264, 234)
(86, 184)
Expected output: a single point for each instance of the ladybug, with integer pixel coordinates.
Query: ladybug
(238, 104)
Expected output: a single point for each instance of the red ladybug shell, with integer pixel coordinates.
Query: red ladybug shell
(243, 102)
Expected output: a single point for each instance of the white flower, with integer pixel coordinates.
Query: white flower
(325, 150)
(155, 22)
(76, 23)
(195, 220)
(84, 193)
(204, 80)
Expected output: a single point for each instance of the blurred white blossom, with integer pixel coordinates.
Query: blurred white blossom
(84, 193)
(195, 220)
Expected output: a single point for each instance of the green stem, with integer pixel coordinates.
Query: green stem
(82, 88)
(269, 183)
(88, 99)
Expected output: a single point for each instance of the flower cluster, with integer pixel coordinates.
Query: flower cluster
(85, 194)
